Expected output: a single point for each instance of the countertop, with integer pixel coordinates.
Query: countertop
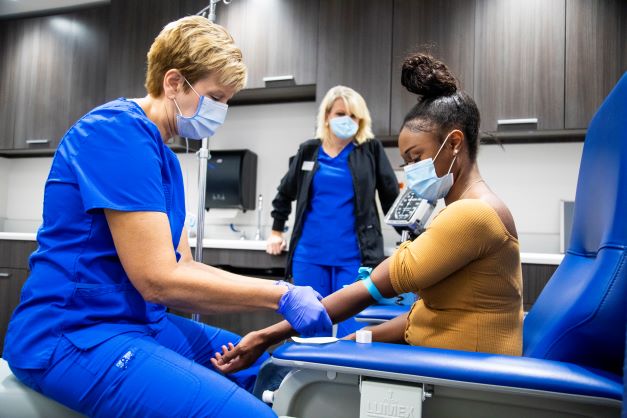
(238, 244)
(229, 244)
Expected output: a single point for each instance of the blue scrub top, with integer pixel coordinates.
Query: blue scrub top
(329, 236)
(113, 158)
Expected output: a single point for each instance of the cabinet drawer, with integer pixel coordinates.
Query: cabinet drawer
(11, 281)
(15, 254)
(535, 277)
(252, 259)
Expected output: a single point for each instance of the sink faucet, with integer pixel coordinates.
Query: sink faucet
(258, 236)
(241, 232)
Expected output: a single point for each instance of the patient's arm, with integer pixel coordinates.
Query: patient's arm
(392, 331)
(340, 306)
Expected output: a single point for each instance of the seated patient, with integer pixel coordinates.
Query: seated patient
(465, 266)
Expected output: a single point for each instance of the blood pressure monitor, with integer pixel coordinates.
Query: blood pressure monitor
(409, 212)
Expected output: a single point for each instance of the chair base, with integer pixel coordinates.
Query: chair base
(307, 393)
(20, 401)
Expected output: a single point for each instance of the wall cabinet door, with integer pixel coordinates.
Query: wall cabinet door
(277, 37)
(519, 61)
(58, 72)
(43, 83)
(90, 50)
(134, 26)
(535, 277)
(446, 29)
(596, 50)
(8, 81)
(11, 282)
(354, 49)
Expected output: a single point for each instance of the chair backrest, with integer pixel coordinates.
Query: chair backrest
(580, 315)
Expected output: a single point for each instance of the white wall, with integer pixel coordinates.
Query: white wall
(273, 132)
(531, 178)
(25, 186)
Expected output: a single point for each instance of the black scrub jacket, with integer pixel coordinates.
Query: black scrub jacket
(371, 171)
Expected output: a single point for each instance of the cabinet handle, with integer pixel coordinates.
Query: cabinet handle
(4, 275)
(278, 78)
(37, 141)
(517, 121)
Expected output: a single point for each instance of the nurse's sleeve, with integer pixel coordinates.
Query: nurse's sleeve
(118, 165)
(465, 231)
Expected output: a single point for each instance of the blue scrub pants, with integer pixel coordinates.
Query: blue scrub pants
(167, 374)
(326, 280)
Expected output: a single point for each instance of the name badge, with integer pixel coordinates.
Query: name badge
(307, 165)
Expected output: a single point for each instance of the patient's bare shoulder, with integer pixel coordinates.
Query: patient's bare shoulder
(502, 211)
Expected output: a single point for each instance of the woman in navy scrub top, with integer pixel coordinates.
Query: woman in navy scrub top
(91, 330)
(334, 179)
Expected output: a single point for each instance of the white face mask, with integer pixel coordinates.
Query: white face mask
(209, 116)
(424, 181)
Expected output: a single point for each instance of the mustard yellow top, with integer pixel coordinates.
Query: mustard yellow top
(466, 268)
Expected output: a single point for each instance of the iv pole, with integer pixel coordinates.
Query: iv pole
(203, 157)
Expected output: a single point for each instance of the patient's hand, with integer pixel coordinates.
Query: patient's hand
(349, 337)
(236, 358)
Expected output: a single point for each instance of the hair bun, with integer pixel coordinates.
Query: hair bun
(427, 77)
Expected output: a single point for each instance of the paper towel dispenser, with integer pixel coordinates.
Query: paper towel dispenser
(231, 180)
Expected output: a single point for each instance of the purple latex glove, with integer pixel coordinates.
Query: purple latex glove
(301, 307)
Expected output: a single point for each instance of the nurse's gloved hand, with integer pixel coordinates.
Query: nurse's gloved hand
(301, 307)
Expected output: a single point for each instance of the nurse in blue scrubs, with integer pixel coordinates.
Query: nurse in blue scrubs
(91, 330)
(335, 179)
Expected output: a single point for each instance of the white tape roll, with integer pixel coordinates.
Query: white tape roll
(363, 336)
(267, 396)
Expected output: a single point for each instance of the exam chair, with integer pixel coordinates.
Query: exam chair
(19, 401)
(377, 314)
(573, 338)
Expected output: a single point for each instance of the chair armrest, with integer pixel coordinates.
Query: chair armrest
(433, 365)
(381, 313)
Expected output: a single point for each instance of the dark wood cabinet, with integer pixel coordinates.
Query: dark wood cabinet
(554, 60)
(15, 254)
(596, 51)
(519, 62)
(446, 29)
(90, 53)
(134, 26)
(535, 277)
(13, 273)
(9, 47)
(42, 105)
(278, 38)
(52, 73)
(11, 282)
(354, 49)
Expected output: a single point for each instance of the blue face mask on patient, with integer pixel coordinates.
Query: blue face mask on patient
(424, 181)
(209, 116)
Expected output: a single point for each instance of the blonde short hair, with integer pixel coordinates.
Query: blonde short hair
(355, 104)
(197, 48)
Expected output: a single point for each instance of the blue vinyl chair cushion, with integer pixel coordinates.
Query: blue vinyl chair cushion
(491, 369)
(382, 312)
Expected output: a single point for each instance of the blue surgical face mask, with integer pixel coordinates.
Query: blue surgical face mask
(424, 181)
(209, 116)
(343, 127)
